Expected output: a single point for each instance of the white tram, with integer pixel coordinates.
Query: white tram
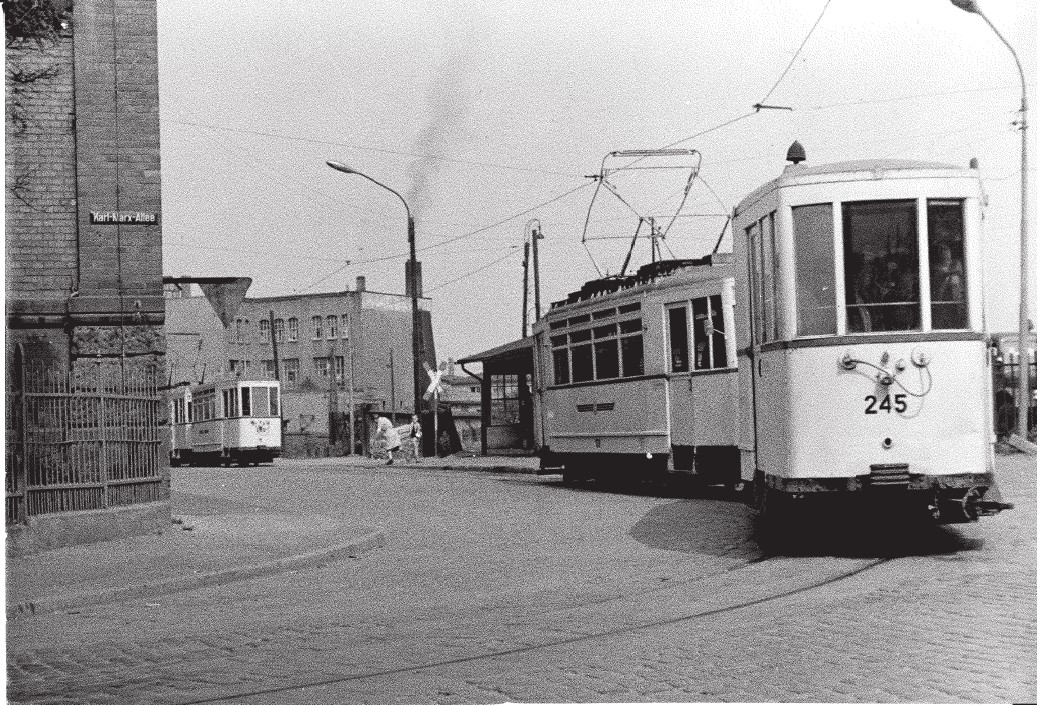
(637, 375)
(225, 422)
(863, 366)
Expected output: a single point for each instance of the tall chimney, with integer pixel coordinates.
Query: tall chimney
(408, 278)
(360, 284)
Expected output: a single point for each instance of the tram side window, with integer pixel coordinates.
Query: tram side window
(709, 333)
(274, 401)
(754, 236)
(814, 269)
(679, 339)
(770, 327)
(247, 400)
(561, 360)
(881, 266)
(581, 356)
(230, 398)
(606, 351)
(946, 262)
(631, 347)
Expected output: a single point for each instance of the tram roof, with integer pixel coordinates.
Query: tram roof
(646, 274)
(798, 173)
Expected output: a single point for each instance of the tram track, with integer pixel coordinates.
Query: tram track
(865, 566)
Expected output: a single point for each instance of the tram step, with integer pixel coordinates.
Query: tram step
(889, 475)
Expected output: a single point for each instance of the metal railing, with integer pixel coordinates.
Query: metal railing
(1005, 398)
(86, 439)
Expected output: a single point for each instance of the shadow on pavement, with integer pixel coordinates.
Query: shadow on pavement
(709, 527)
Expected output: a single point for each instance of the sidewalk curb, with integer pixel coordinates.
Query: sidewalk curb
(355, 547)
(508, 469)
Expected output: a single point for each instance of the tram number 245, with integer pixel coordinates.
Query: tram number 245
(887, 403)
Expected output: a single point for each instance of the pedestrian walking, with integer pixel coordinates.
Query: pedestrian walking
(415, 435)
(388, 434)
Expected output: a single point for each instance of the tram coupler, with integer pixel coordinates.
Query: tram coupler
(966, 507)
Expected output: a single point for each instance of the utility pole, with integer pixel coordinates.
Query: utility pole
(277, 377)
(333, 395)
(527, 251)
(350, 374)
(393, 388)
(536, 235)
(274, 350)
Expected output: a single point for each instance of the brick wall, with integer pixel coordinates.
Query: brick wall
(117, 119)
(40, 173)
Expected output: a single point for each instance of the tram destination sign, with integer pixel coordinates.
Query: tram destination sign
(124, 218)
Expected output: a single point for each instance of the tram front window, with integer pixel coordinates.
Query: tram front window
(881, 266)
(946, 264)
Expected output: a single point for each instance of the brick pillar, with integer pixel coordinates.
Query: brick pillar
(118, 308)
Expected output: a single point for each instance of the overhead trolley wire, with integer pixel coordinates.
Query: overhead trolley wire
(509, 254)
(799, 51)
(380, 150)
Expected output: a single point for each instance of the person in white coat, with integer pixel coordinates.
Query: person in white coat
(386, 432)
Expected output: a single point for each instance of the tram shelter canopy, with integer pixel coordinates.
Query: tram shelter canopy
(506, 410)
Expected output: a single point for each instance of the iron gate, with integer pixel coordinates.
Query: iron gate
(86, 439)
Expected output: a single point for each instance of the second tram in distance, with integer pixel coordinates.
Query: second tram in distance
(225, 422)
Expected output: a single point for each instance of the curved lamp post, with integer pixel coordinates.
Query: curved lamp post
(413, 281)
(1023, 304)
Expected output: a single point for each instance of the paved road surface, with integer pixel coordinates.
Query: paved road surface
(511, 587)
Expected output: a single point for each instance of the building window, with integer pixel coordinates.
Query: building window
(294, 330)
(341, 368)
(291, 369)
(332, 327)
(265, 331)
(881, 266)
(321, 366)
(344, 328)
(268, 366)
(279, 330)
(318, 331)
(815, 297)
(946, 262)
(238, 367)
(505, 399)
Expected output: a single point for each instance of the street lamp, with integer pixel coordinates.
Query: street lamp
(413, 283)
(1023, 304)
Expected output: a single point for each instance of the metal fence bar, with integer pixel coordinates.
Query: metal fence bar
(84, 439)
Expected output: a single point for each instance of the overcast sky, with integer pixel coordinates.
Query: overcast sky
(479, 112)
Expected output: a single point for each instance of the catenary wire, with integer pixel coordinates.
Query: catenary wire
(380, 150)
(799, 51)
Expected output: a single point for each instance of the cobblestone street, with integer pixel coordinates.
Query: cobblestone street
(495, 587)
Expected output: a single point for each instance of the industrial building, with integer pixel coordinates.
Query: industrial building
(350, 348)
